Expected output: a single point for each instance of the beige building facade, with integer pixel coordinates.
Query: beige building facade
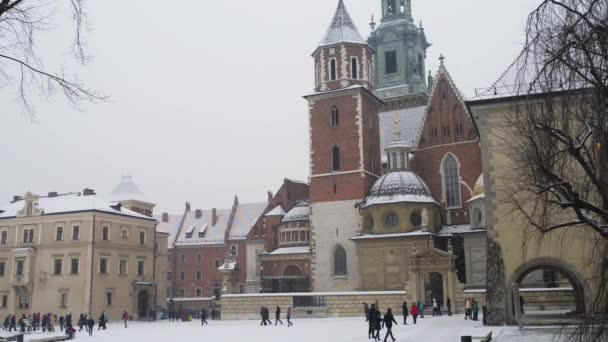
(79, 253)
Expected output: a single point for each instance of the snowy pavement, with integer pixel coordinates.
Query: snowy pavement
(428, 329)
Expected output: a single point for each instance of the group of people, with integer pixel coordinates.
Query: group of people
(377, 322)
(265, 314)
(48, 322)
(471, 309)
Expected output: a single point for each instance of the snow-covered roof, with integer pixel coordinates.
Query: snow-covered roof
(411, 121)
(291, 250)
(228, 265)
(389, 236)
(299, 212)
(70, 203)
(247, 214)
(171, 227)
(211, 234)
(276, 211)
(478, 189)
(458, 229)
(342, 29)
(399, 186)
(127, 190)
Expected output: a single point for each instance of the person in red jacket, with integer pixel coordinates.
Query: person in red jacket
(125, 317)
(414, 311)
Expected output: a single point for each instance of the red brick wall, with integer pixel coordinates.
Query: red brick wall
(447, 113)
(207, 266)
(346, 136)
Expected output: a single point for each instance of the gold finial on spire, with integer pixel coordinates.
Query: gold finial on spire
(397, 129)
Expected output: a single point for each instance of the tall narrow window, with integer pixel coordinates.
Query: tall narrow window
(335, 158)
(74, 266)
(19, 270)
(75, 232)
(2, 268)
(333, 69)
(103, 265)
(451, 181)
(141, 267)
(57, 269)
(390, 60)
(122, 267)
(354, 68)
(335, 117)
(59, 234)
(4, 237)
(340, 261)
(105, 233)
(109, 298)
(142, 238)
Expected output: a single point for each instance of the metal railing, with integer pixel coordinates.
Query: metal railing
(309, 302)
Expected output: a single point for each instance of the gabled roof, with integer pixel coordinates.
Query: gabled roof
(443, 71)
(432, 252)
(342, 29)
(276, 211)
(247, 214)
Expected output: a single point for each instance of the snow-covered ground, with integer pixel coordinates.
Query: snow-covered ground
(428, 329)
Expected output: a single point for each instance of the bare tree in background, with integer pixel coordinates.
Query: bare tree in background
(561, 175)
(22, 68)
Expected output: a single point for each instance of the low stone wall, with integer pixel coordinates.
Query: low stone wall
(335, 304)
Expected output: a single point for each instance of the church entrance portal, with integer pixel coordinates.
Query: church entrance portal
(142, 304)
(435, 288)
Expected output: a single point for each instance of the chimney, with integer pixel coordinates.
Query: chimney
(198, 213)
(213, 217)
(270, 196)
(88, 192)
(52, 194)
(187, 206)
(165, 217)
(16, 198)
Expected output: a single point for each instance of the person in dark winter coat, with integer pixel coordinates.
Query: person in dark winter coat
(371, 314)
(267, 316)
(204, 316)
(388, 323)
(277, 316)
(125, 317)
(68, 321)
(22, 324)
(102, 321)
(90, 325)
(366, 311)
(414, 311)
(405, 312)
(262, 315)
(61, 323)
(7, 323)
(378, 324)
(289, 317)
(45, 323)
(81, 322)
(448, 304)
(70, 331)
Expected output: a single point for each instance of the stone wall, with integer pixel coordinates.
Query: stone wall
(337, 304)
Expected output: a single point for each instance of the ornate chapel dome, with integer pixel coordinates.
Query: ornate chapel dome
(399, 186)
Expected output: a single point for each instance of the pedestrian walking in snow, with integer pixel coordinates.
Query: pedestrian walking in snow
(435, 307)
(475, 310)
(70, 332)
(366, 311)
(289, 317)
(263, 322)
(90, 325)
(378, 324)
(102, 321)
(125, 317)
(388, 323)
(22, 324)
(405, 312)
(414, 311)
(204, 316)
(81, 322)
(267, 315)
(421, 305)
(61, 323)
(371, 314)
(277, 316)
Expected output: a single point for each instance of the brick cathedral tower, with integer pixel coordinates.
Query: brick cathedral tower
(344, 145)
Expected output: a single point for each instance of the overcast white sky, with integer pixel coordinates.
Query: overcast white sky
(207, 95)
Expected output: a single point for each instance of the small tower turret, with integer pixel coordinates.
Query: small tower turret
(398, 151)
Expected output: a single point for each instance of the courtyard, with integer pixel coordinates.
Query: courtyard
(428, 329)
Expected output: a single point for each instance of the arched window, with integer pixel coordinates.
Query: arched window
(333, 69)
(391, 8)
(354, 66)
(335, 158)
(339, 261)
(451, 181)
(335, 116)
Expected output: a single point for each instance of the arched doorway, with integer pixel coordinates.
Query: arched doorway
(142, 304)
(549, 290)
(436, 288)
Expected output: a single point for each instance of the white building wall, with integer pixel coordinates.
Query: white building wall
(334, 223)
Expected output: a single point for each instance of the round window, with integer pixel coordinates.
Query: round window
(416, 219)
(391, 220)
